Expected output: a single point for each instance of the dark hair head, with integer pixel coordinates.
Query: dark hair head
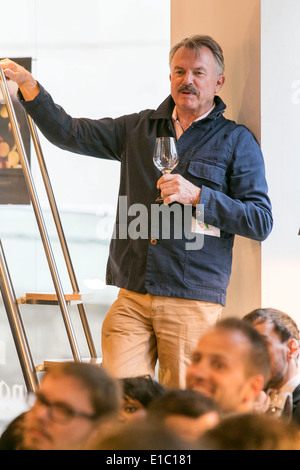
(141, 435)
(12, 436)
(103, 390)
(258, 359)
(283, 324)
(143, 389)
(255, 431)
(182, 402)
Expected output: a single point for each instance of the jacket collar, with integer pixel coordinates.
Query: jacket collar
(165, 110)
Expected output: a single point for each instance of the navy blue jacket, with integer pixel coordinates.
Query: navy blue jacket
(216, 154)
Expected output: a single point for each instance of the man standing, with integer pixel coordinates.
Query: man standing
(170, 291)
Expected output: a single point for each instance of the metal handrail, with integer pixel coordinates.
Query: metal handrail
(16, 325)
(39, 218)
(60, 232)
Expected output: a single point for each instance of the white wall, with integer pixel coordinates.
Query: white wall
(280, 118)
(261, 43)
(235, 24)
(97, 59)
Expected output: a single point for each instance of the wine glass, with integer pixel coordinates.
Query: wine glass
(165, 156)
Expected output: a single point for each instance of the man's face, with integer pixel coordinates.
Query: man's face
(194, 80)
(278, 352)
(42, 432)
(218, 370)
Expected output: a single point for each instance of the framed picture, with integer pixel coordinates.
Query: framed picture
(13, 188)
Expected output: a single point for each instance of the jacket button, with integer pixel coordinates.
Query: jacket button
(153, 241)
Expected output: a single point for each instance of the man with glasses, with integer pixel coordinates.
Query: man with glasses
(73, 401)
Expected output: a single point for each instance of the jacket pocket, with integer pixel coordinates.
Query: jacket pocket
(208, 174)
(209, 266)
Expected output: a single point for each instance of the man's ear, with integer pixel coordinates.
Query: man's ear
(219, 83)
(256, 384)
(251, 390)
(293, 348)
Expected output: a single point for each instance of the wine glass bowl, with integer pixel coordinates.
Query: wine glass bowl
(165, 156)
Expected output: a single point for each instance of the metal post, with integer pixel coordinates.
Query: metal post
(16, 325)
(39, 218)
(60, 231)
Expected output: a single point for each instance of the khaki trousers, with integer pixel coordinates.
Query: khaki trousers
(140, 329)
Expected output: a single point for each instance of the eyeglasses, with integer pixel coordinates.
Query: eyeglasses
(58, 411)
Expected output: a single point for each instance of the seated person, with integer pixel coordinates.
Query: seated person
(251, 432)
(186, 412)
(141, 435)
(231, 365)
(12, 436)
(138, 392)
(74, 401)
(282, 336)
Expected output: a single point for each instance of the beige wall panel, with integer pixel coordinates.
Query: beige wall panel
(235, 24)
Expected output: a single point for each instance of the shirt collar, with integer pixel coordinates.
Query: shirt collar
(178, 127)
(175, 117)
(291, 384)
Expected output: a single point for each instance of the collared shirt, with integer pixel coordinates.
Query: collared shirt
(216, 154)
(177, 125)
(290, 386)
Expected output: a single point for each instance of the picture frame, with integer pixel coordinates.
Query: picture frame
(13, 188)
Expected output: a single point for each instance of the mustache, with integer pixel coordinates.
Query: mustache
(191, 88)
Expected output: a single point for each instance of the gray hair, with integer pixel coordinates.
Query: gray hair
(196, 43)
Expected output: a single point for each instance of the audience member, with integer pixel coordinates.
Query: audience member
(251, 432)
(231, 365)
(12, 436)
(282, 336)
(138, 393)
(140, 435)
(78, 405)
(186, 412)
(73, 401)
